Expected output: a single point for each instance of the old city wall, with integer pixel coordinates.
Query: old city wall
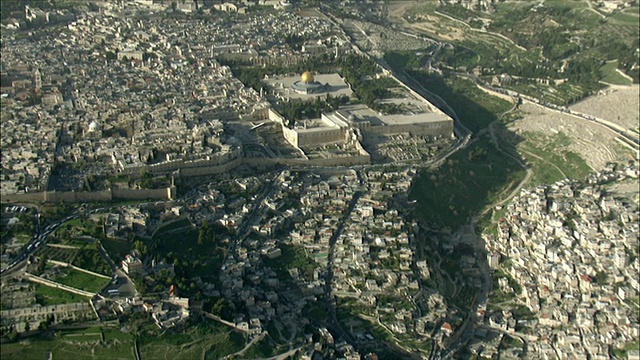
(326, 136)
(182, 165)
(87, 196)
(77, 196)
(137, 194)
(211, 170)
(25, 197)
(441, 128)
(343, 161)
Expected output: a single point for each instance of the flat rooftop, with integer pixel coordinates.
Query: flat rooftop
(314, 125)
(413, 116)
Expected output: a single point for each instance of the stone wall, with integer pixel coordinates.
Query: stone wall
(217, 159)
(442, 128)
(77, 196)
(212, 170)
(139, 194)
(87, 196)
(341, 161)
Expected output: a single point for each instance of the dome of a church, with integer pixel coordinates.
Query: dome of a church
(307, 77)
(94, 126)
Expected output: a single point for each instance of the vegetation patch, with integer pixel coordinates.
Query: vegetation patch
(60, 254)
(293, 257)
(550, 158)
(475, 108)
(116, 248)
(89, 258)
(46, 295)
(610, 75)
(73, 344)
(206, 340)
(562, 94)
(468, 182)
(557, 40)
(80, 280)
(264, 348)
(192, 251)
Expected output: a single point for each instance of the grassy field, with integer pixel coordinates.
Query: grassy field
(611, 76)
(73, 344)
(206, 340)
(46, 295)
(550, 160)
(80, 280)
(264, 348)
(85, 256)
(628, 18)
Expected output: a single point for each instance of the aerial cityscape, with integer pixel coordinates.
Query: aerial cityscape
(320, 179)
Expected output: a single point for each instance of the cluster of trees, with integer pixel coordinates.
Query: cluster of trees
(219, 307)
(24, 226)
(584, 72)
(404, 59)
(369, 91)
(294, 41)
(141, 246)
(457, 11)
(354, 69)
(90, 259)
(42, 263)
(206, 234)
(204, 258)
(149, 182)
(626, 55)
(293, 257)
(477, 153)
(388, 108)
(556, 44)
(310, 109)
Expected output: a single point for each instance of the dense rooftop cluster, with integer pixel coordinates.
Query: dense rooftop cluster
(570, 255)
(120, 87)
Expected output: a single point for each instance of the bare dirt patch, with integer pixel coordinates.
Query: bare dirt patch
(311, 13)
(592, 142)
(432, 25)
(618, 104)
(398, 8)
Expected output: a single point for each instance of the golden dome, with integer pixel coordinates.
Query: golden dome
(306, 77)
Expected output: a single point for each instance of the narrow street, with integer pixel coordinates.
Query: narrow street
(329, 298)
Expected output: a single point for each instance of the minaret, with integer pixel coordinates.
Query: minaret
(37, 79)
